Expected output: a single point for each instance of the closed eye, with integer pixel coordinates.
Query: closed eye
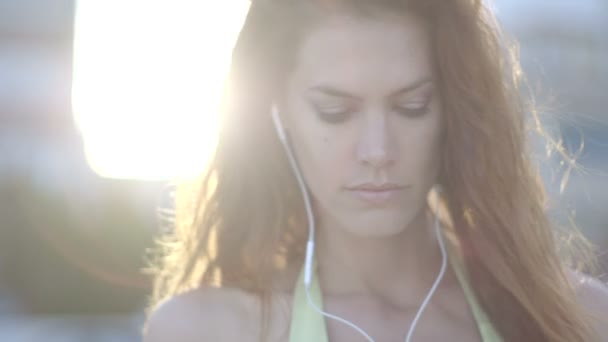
(414, 110)
(333, 114)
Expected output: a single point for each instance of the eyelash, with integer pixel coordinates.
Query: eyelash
(337, 117)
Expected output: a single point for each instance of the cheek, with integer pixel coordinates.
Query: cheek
(421, 150)
(321, 158)
(330, 161)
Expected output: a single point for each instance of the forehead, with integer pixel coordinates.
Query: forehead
(364, 55)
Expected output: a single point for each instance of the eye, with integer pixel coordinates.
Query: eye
(414, 110)
(333, 114)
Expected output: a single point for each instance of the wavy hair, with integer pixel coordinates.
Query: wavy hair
(242, 223)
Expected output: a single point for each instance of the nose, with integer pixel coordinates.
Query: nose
(375, 144)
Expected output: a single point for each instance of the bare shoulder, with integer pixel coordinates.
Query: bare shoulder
(204, 314)
(593, 295)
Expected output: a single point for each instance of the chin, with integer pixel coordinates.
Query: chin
(380, 224)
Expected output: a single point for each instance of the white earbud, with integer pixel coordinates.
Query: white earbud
(310, 245)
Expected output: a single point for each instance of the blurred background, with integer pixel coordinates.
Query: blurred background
(102, 102)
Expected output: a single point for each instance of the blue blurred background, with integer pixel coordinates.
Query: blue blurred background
(72, 243)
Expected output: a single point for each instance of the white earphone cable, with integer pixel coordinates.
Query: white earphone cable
(437, 281)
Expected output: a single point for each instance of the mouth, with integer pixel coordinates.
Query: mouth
(377, 193)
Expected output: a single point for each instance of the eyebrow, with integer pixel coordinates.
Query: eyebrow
(332, 91)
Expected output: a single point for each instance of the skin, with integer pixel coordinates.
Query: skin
(376, 261)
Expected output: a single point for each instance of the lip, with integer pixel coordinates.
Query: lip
(377, 193)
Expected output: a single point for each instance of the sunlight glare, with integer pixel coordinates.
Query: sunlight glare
(146, 83)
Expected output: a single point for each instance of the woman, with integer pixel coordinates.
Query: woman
(401, 122)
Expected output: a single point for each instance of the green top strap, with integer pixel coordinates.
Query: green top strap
(484, 324)
(307, 325)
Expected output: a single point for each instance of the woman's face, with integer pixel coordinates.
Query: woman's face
(364, 117)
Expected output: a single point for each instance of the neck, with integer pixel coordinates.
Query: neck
(398, 269)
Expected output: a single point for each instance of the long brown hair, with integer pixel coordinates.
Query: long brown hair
(242, 222)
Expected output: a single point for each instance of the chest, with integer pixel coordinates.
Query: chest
(448, 318)
(431, 327)
(447, 321)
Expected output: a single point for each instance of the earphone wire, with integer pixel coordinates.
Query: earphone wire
(334, 317)
(311, 239)
(437, 281)
(294, 166)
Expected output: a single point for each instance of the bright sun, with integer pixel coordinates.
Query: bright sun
(146, 83)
